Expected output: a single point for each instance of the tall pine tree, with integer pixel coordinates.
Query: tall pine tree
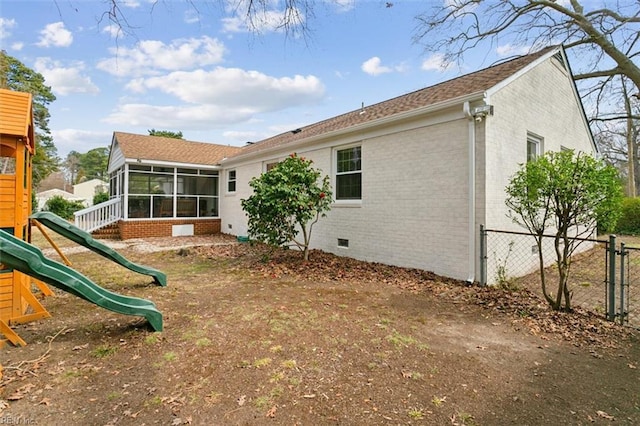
(14, 75)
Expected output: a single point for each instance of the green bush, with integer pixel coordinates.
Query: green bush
(100, 197)
(629, 222)
(62, 207)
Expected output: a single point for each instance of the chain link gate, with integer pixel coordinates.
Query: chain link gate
(608, 288)
(622, 298)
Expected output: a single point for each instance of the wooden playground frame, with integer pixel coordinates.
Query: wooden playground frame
(18, 304)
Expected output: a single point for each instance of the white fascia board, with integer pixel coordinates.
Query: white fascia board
(142, 161)
(574, 88)
(429, 109)
(521, 72)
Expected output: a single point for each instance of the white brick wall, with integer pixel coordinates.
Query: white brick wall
(542, 102)
(414, 209)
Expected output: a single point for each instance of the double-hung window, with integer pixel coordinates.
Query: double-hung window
(231, 181)
(534, 147)
(349, 173)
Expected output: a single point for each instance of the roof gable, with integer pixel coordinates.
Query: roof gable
(157, 148)
(16, 116)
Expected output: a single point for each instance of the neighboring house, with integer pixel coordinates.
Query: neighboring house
(44, 196)
(414, 177)
(88, 189)
(82, 192)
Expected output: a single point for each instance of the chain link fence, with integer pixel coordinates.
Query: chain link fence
(604, 274)
(628, 285)
(512, 260)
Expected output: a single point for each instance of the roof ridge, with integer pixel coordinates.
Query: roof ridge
(484, 79)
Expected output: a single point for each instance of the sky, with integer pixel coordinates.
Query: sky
(195, 67)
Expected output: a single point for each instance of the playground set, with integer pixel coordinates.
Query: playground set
(23, 266)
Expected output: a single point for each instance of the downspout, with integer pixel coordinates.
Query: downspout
(472, 193)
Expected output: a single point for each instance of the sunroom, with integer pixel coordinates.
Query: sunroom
(159, 187)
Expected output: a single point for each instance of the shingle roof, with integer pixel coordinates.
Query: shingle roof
(458, 87)
(15, 112)
(172, 150)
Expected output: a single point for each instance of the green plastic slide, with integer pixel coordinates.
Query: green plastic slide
(28, 259)
(77, 235)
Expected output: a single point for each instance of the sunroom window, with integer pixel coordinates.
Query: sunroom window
(157, 192)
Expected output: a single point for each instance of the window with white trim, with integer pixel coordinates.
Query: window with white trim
(269, 166)
(231, 181)
(534, 147)
(349, 173)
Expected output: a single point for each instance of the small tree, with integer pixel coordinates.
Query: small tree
(287, 199)
(567, 195)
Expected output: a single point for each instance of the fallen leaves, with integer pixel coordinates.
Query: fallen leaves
(272, 412)
(604, 415)
(524, 308)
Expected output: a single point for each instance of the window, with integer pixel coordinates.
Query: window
(534, 147)
(231, 181)
(156, 192)
(270, 166)
(349, 174)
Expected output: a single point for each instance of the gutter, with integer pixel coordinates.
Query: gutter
(475, 116)
(357, 128)
(472, 192)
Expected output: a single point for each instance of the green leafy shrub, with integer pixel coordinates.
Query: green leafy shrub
(100, 197)
(289, 198)
(62, 207)
(629, 222)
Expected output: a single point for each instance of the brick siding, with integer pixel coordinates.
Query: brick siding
(162, 228)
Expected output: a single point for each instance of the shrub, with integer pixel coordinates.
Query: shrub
(100, 197)
(62, 207)
(289, 198)
(629, 222)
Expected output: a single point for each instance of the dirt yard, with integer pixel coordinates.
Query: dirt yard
(251, 341)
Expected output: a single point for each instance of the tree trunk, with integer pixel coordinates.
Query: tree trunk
(631, 146)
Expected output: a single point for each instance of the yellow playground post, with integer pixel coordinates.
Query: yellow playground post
(17, 147)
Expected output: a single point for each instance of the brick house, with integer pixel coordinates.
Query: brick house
(413, 176)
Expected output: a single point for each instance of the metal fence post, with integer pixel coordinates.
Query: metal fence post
(622, 256)
(611, 296)
(483, 256)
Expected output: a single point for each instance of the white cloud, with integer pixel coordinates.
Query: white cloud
(343, 5)
(65, 80)
(150, 56)
(55, 35)
(214, 98)
(6, 25)
(373, 66)
(191, 16)
(113, 30)
(236, 88)
(82, 141)
(132, 4)
(262, 21)
(192, 117)
(437, 62)
(17, 45)
(242, 136)
(511, 50)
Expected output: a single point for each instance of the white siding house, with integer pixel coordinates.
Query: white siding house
(88, 189)
(415, 176)
(433, 164)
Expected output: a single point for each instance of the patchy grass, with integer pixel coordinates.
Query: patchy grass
(332, 341)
